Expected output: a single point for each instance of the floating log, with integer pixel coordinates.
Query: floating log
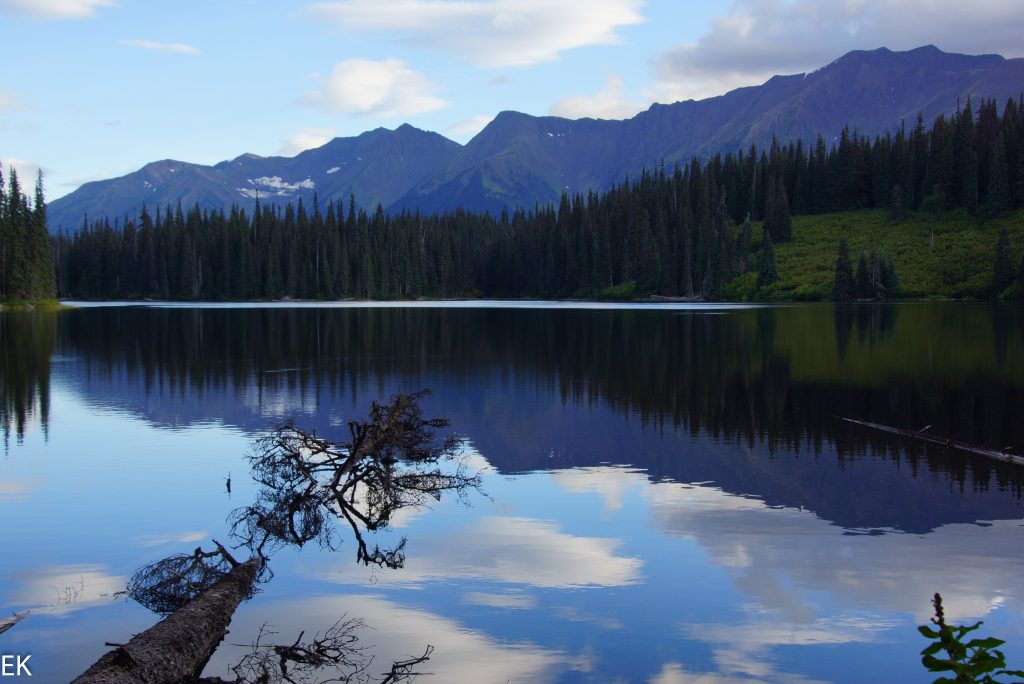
(177, 648)
(8, 622)
(1004, 456)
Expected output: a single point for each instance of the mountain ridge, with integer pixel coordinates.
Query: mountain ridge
(520, 160)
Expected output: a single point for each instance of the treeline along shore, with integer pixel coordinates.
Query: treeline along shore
(722, 229)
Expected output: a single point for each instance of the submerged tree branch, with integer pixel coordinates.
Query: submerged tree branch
(177, 648)
(391, 461)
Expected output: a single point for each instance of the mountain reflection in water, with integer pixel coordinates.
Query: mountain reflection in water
(672, 496)
(530, 389)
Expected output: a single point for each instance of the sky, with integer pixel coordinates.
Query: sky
(93, 89)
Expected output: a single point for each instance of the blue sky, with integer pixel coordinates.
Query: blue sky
(93, 89)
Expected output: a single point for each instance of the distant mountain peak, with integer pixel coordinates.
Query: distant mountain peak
(523, 160)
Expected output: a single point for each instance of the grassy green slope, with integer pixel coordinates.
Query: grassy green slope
(957, 263)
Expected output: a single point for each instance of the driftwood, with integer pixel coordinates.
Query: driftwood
(177, 648)
(921, 435)
(8, 622)
(391, 462)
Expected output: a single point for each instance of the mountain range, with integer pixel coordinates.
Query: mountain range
(519, 160)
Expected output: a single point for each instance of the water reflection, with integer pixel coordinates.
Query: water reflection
(392, 461)
(763, 374)
(62, 589)
(26, 345)
(673, 500)
(761, 386)
(461, 653)
(514, 550)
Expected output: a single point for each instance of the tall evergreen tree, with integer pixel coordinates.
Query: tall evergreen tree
(777, 218)
(998, 195)
(1002, 268)
(897, 206)
(766, 272)
(26, 251)
(842, 287)
(862, 280)
(43, 281)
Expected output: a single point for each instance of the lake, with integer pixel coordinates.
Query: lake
(668, 492)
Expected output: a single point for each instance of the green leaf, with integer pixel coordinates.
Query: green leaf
(928, 632)
(932, 650)
(1012, 673)
(965, 629)
(987, 643)
(936, 665)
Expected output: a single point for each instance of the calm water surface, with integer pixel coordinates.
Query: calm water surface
(669, 496)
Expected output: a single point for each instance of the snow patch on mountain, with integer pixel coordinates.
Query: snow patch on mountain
(274, 186)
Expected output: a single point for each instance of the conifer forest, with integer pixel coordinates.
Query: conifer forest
(679, 231)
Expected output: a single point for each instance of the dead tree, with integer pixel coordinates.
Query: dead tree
(177, 648)
(391, 461)
(335, 656)
(168, 584)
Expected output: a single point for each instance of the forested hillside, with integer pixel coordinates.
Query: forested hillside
(681, 232)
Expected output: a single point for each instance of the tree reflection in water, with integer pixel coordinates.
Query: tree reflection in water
(391, 461)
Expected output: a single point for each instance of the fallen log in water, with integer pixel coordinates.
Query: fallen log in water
(177, 648)
(8, 622)
(1003, 456)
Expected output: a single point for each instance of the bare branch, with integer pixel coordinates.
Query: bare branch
(392, 461)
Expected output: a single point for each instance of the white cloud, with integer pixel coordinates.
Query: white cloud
(675, 673)
(756, 39)
(27, 171)
(62, 589)
(384, 89)
(491, 33)
(55, 9)
(781, 557)
(10, 100)
(173, 538)
(396, 632)
(516, 551)
(467, 128)
(608, 103)
(157, 46)
(306, 139)
(600, 481)
(891, 572)
(745, 650)
(512, 600)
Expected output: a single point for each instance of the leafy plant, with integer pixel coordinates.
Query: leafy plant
(973, 662)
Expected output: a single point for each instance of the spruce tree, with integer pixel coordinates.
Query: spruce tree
(890, 281)
(766, 273)
(1002, 269)
(862, 280)
(42, 277)
(897, 210)
(6, 239)
(743, 246)
(777, 218)
(998, 202)
(782, 213)
(842, 287)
